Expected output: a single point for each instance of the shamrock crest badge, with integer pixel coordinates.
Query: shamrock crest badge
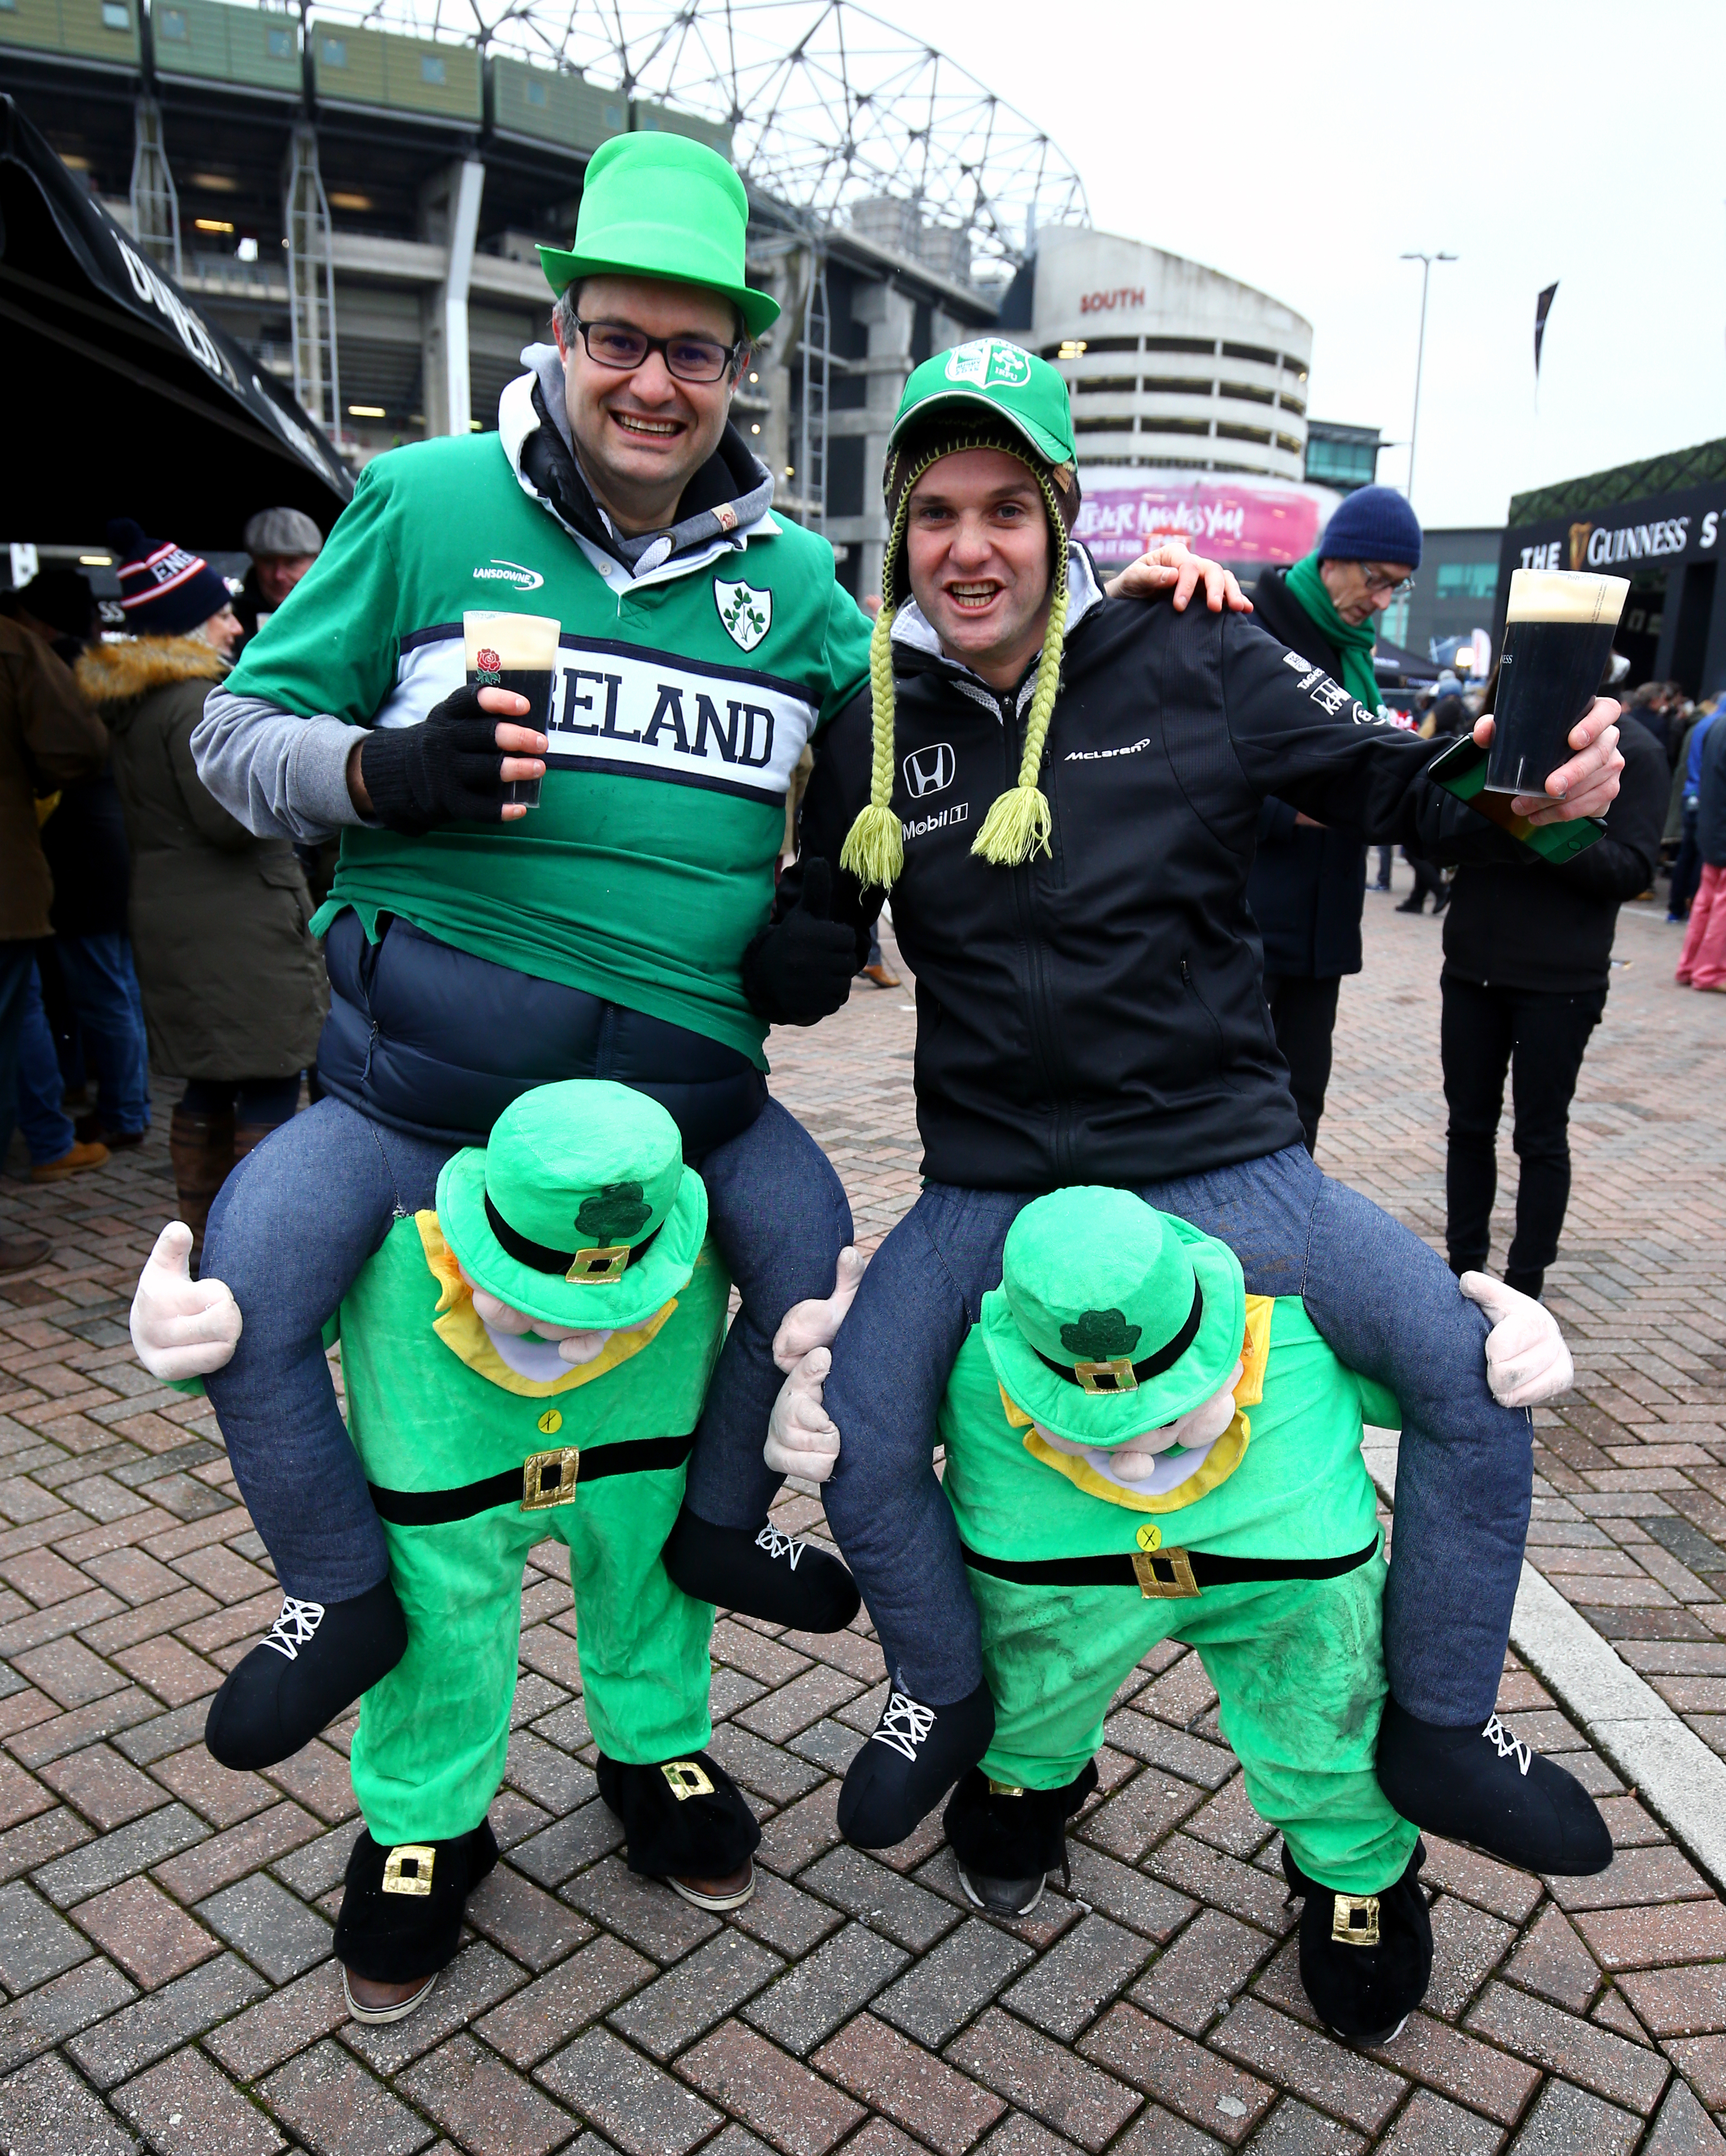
(747, 613)
(613, 1213)
(1101, 1336)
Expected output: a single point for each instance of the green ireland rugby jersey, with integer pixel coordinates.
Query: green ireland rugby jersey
(685, 697)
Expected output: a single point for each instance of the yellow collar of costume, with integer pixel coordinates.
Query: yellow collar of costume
(457, 1325)
(1217, 1463)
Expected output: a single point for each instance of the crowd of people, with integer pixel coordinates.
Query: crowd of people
(540, 1146)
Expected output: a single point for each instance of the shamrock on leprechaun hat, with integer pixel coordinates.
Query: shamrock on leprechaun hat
(578, 1210)
(657, 205)
(1112, 1318)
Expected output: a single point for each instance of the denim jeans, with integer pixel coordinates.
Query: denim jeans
(302, 1213)
(103, 986)
(47, 1127)
(1385, 1302)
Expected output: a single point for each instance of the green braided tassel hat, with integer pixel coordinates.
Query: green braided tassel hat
(988, 394)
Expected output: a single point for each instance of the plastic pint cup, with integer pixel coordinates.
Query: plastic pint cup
(1558, 634)
(517, 652)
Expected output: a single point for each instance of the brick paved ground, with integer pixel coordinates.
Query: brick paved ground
(164, 1925)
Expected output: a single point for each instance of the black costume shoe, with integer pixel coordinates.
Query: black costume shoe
(1006, 1841)
(685, 1821)
(318, 1658)
(912, 1758)
(1366, 1959)
(401, 1912)
(761, 1572)
(1487, 1787)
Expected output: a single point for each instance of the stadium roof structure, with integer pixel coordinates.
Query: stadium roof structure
(1596, 490)
(830, 106)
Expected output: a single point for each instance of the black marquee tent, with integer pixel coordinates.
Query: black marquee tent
(121, 399)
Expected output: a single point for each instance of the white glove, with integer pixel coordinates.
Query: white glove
(813, 1324)
(1527, 1363)
(180, 1327)
(801, 1436)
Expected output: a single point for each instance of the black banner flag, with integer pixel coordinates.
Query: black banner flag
(1543, 308)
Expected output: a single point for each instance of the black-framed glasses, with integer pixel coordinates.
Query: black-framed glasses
(1390, 588)
(618, 346)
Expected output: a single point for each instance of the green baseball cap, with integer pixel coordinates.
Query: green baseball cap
(1112, 1318)
(992, 376)
(658, 205)
(578, 1210)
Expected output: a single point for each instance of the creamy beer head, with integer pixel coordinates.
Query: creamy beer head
(527, 643)
(1564, 595)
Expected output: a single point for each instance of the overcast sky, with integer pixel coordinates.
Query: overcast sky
(1303, 144)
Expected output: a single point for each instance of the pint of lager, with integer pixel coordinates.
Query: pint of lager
(1558, 634)
(517, 652)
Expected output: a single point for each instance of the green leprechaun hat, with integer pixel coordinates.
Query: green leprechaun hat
(578, 1210)
(1112, 1318)
(658, 205)
(988, 394)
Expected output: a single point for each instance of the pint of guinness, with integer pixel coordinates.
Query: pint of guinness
(1558, 634)
(517, 652)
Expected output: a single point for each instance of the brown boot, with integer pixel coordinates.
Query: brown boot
(202, 1150)
(248, 1135)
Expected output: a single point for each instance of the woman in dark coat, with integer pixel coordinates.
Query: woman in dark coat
(233, 989)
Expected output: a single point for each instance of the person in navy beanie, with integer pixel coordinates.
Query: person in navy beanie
(1308, 883)
(233, 989)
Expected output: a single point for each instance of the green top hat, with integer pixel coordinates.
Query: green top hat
(580, 1210)
(657, 205)
(1112, 1318)
(991, 376)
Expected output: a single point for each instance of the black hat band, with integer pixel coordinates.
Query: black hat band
(542, 1258)
(1120, 1376)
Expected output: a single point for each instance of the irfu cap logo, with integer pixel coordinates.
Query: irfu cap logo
(747, 613)
(987, 361)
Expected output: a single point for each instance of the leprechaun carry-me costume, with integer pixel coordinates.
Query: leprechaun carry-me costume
(1068, 859)
(481, 1444)
(1258, 1547)
(605, 934)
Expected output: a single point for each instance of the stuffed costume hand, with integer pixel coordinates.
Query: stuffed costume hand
(181, 1328)
(1527, 1363)
(447, 769)
(798, 970)
(815, 1324)
(802, 1438)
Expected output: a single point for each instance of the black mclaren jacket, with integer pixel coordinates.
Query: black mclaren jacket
(1095, 1016)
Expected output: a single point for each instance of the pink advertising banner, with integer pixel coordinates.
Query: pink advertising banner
(1125, 511)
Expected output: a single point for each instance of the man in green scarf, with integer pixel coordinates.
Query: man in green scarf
(1306, 884)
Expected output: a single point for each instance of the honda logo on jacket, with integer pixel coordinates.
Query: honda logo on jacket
(929, 770)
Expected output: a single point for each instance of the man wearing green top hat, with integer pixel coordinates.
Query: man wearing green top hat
(527, 1363)
(1061, 792)
(1137, 1449)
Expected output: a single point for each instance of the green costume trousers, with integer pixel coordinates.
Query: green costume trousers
(1296, 1663)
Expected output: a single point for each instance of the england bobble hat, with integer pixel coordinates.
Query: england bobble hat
(165, 590)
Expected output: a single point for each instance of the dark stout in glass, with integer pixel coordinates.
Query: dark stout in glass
(517, 652)
(1558, 634)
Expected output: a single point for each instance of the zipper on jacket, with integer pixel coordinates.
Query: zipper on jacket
(1043, 1020)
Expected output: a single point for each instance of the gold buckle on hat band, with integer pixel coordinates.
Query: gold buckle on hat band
(1117, 1375)
(549, 1478)
(398, 1879)
(603, 1267)
(1164, 1575)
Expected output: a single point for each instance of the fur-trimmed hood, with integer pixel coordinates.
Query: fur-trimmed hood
(111, 675)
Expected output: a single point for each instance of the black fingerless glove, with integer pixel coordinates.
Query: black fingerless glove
(447, 769)
(799, 969)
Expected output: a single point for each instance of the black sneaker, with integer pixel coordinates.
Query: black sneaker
(686, 1822)
(400, 1920)
(760, 1572)
(1366, 1959)
(1487, 1787)
(913, 1757)
(317, 1659)
(1006, 1841)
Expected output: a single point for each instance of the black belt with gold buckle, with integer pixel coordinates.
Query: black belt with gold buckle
(1166, 1575)
(546, 1480)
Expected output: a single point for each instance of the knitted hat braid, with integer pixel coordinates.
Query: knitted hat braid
(1019, 820)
